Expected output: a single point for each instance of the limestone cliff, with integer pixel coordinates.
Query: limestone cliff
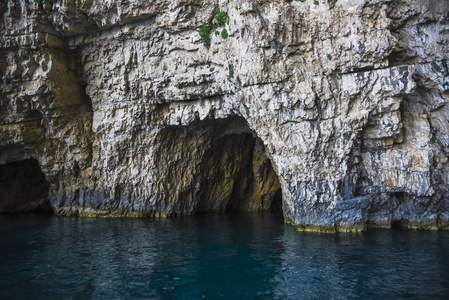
(341, 104)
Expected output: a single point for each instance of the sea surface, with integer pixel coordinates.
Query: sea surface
(227, 256)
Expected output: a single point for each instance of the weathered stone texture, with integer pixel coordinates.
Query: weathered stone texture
(341, 104)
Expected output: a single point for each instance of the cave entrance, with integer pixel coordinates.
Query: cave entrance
(217, 166)
(238, 176)
(23, 188)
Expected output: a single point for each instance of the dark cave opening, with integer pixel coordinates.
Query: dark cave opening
(23, 188)
(217, 166)
(239, 176)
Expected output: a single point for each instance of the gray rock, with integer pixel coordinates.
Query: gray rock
(341, 105)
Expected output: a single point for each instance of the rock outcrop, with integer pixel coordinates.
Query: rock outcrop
(341, 105)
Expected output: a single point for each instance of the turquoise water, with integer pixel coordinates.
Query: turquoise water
(231, 256)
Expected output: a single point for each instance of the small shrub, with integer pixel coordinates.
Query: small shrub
(204, 33)
(221, 17)
(329, 57)
(224, 33)
(316, 2)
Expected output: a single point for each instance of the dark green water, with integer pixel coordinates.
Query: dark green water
(232, 256)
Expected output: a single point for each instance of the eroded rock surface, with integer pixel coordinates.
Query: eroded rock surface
(342, 105)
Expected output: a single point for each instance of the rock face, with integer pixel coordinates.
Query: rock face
(341, 105)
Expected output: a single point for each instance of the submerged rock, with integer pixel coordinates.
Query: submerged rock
(341, 105)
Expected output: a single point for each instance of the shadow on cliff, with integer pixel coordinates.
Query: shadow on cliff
(215, 166)
(23, 188)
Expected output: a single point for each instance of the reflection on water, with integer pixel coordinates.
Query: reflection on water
(239, 255)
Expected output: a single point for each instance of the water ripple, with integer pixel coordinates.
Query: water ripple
(234, 256)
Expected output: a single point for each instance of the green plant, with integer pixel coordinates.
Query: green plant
(204, 33)
(224, 33)
(329, 57)
(237, 7)
(38, 1)
(221, 17)
(316, 2)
